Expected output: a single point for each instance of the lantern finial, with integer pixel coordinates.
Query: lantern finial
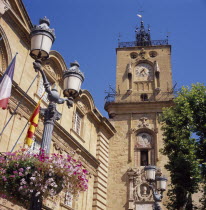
(44, 20)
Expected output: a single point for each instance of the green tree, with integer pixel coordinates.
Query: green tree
(184, 127)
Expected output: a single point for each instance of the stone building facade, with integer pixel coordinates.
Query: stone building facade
(143, 88)
(82, 129)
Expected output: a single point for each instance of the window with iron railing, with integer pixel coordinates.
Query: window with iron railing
(78, 122)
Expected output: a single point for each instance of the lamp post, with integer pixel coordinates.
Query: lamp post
(42, 38)
(157, 184)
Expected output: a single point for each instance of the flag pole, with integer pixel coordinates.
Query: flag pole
(38, 104)
(14, 112)
(19, 136)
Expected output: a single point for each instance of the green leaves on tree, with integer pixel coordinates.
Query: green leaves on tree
(184, 127)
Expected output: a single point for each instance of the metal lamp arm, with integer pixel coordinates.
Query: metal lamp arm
(38, 67)
(157, 196)
(51, 96)
(69, 102)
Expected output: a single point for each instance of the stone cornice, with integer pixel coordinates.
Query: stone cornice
(140, 47)
(103, 121)
(26, 15)
(137, 107)
(12, 19)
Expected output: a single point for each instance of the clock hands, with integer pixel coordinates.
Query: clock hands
(142, 72)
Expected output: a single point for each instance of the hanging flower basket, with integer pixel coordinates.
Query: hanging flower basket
(22, 175)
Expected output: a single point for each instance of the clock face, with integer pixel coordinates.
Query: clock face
(144, 71)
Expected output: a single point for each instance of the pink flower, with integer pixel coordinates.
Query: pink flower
(4, 178)
(15, 172)
(85, 171)
(23, 149)
(3, 170)
(12, 176)
(21, 169)
(20, 174)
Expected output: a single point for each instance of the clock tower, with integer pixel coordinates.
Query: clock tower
(143, 89)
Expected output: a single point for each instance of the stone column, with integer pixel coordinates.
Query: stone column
(50, 116)
(131, 173)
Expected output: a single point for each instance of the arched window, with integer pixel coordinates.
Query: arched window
(144, 149)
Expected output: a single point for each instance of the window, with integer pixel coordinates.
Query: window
(144, 146)
(68, 199)
(144, 158)
(144, 97)
(133, 55)
(78, 122)
(41, 91)
(35, 147)
(152, 54)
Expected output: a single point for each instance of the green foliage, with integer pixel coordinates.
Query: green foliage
(187, 155)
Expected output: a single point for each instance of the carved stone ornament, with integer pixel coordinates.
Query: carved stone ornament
(2, 59)
(143, 122)
(144, 140)
(142, 53)
(129, 69)
(4, 6)
(82, 106)
(157, 69)
(139, 191)
(142, 192)
(132, 130)
(58, 147)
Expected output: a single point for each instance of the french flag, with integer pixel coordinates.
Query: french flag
(6, 84)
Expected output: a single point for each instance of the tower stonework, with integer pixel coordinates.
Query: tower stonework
(143, 89)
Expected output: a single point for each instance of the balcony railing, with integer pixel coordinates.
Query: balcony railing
(138, 97)
(146, 43)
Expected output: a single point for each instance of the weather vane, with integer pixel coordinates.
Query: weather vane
(140, 12)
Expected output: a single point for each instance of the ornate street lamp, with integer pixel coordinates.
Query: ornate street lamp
(42, 38)
(156, 183)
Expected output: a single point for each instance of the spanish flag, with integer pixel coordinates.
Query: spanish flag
(34, 119)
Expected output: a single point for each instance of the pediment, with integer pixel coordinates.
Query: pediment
(17, 7)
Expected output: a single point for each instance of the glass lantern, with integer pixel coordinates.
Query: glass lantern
(73, 79)
(150, 172)
(161, 183)
(42, 38)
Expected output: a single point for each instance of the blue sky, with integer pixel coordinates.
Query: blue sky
(87, 31)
